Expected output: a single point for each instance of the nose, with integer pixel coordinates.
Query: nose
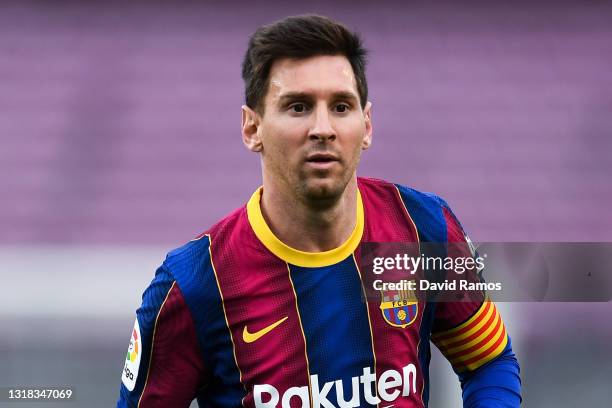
(322, 128)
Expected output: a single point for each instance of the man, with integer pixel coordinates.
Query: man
(266, 308)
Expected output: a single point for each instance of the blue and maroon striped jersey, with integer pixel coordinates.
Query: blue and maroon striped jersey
(237, 318)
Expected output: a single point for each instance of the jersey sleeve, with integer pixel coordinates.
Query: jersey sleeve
(163, 366)
(475, 342)
(468, 333)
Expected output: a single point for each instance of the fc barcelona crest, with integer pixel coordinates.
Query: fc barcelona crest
(399, 307)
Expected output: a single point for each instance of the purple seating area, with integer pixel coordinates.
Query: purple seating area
(120, 125)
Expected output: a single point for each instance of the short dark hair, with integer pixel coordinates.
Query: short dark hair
(298, 37)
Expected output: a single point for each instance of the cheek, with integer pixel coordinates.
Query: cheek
(354, 135)
(284, 140)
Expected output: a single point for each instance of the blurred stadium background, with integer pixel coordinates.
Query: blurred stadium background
(119, 132)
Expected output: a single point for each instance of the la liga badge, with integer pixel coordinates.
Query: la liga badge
(132, 359)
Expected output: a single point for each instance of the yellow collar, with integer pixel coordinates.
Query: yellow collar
(295, 256)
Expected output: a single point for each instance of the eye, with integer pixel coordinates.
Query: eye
(342, 107)
(298, 107)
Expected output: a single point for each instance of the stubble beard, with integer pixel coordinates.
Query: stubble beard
(324, 192)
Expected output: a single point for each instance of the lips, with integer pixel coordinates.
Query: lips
(322, 158)
(322, 163)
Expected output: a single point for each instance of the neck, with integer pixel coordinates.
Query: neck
(308, 226)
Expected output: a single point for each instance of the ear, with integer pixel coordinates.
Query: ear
(367, 137)
(250, 126)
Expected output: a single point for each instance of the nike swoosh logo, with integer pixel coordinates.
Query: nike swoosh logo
(251, 337)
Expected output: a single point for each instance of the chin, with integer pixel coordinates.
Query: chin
(325, 190)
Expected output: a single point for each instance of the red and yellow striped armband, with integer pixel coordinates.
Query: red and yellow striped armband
(474, 342)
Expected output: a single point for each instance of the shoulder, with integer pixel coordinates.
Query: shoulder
(197, 248)
(191, 264)
(408, 193)
(433, 217)
(429, 213)
(425, 201)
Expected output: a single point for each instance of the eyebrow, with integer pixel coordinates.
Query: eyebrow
(292, 96)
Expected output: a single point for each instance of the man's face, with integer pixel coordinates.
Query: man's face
(313, 127)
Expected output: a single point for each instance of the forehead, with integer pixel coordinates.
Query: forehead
(320, 75)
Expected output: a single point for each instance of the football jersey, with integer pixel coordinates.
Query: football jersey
(237, 318)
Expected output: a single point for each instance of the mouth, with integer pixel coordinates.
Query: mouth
(322, 160)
